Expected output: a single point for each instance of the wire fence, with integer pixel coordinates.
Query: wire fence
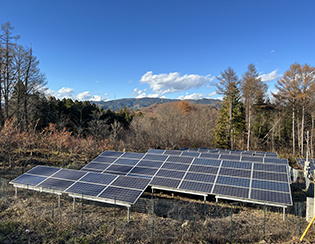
(48, 217)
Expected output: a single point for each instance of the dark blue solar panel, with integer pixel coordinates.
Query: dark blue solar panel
(230, 191)
(56, 184)
(143, 171)
(172, 152)
(104, 160)
(270, 196)
(86, 189)
(276, 160)
(131, 182)
(171, 174)
(150, 164)
(120, 168)
(233, 181)
(160, 181)
(196, 186)
(235, 172)
(43, 170)
(207, 162)
(156, 151)
(200, 177)
(270, 176)
(184, 149)
(91, 170)
(191, 154)
(203, 169)
(252, 159)
(203, 150)
(26, 179)
(178, 159)
(175, 166)
(209, 155)
(271, 167)
(104, 179)
(69, 174)
(97, 166)
(112, 154)
(270, 185)
(155, 157)
(193, 149)
(121, 194)
(132, 155)
(143, 176)
(127, 161)
(230, 157)
(235, 164)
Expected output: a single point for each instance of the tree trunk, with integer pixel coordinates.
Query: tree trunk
(249, 127)
(293, 131)
(302, 131)
(230, 123)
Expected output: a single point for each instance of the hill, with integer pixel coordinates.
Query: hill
(137, 103)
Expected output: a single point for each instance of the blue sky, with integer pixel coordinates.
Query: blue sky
(100, 50)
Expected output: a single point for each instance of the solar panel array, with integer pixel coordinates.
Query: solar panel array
(255, 181)
(100, 187)
(250, 176)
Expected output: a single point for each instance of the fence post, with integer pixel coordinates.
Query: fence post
(152, 229)
(231, 222)
(264, 219)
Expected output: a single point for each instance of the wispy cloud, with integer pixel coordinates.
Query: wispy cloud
(270, 76)
(195, 96)
(66, 92)
(174, 82)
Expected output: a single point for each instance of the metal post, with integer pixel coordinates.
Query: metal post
(128, 214)
(283, 213)
(264, 218)
(152, 196)
(205, 205)
(58, 201)
(216, 206)
(152, 230)
(82, 210)
(15, 191)
(74, 204)
(231, 223)
(53, 196)
(115, 217)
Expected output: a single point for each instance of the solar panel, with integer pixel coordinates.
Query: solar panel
(97, 166)
(252, 159)
(56, 184)
(126, 161)
(237, 165)
(235, 172)
(150, 164)
(171, 174)
(270, 185)
(86, 189)
(172, 152)
(270, 176)
(190, 154)
(143, 171)
(270, 196)
(112, 154)
(196, 186)
(155, 157)
(164, 182)
(207, 162)
(175, 166)
(132, 155)
(276, 160)
(101, 159)
(230, 191)
(203, 169)
(31, 180)
(131, 182)
(103, 179)
(179, 159)
(209, 155)
(91, 170)
(120, 168)
(121, 194)
(43, 170)
(200, 177)
(232, 181)
(271, 167)
(156, 151)
(69, 174)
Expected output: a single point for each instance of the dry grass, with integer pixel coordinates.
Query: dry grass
(34, 217)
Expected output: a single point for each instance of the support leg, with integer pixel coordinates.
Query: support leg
(284, 214)
(58, 201)
(128, 214)
(15, 191)
(73, 204)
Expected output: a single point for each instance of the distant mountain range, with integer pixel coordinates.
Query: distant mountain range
(137, 103)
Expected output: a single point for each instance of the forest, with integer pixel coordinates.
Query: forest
(248, 119)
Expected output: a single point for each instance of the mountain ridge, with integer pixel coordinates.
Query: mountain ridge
(137, 103)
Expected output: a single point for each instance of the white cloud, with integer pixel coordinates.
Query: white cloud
(88, 96)
(66, 91)
(212, 94)
(154, 95)
(173, 82)
(270, 76)
(194, 96)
